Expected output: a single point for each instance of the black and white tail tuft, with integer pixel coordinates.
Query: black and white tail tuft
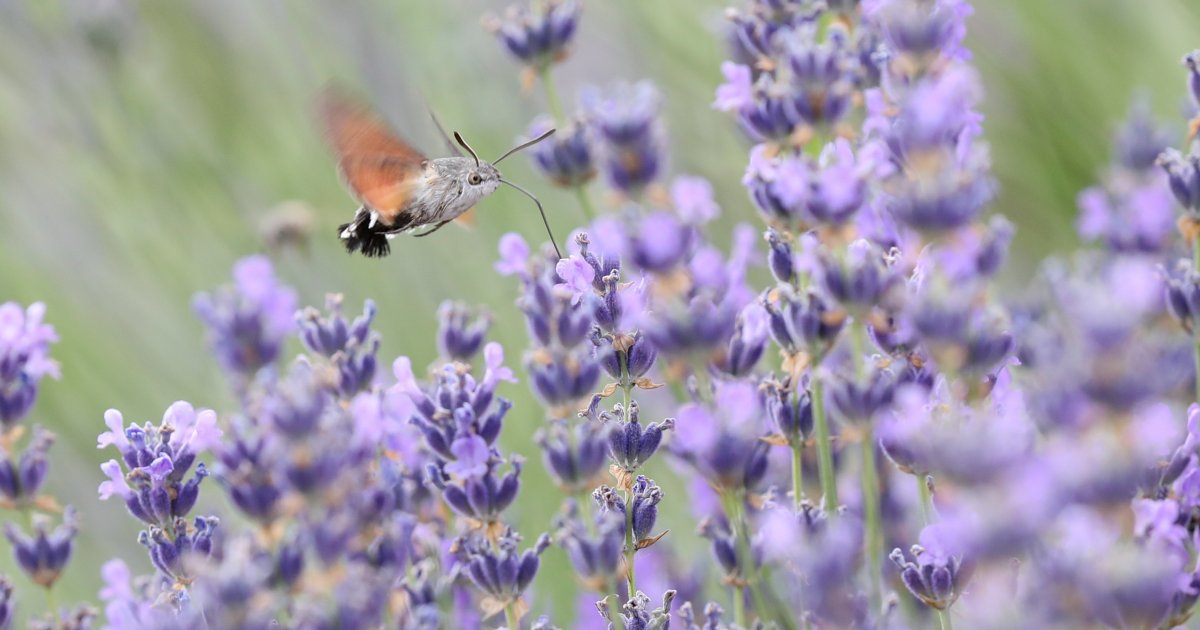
(360, 235)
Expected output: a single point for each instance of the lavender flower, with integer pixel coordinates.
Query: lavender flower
(24, 358)
(483, 495)
(6, 604)
(352, 347)
(636, 612)
(574, 456)
(626, 120)
(460, 335)
(248, 321)
(646, 497)
(20, 479)
(537, 35)
(629, 444)
(1183, 174)
(499, 570)
(595, 551)
(44, 555)
(158, 458)
(936, 575)
(568, 157)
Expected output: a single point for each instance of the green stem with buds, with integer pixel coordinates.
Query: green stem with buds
(797, 447)
(873, 545)
(824, 446)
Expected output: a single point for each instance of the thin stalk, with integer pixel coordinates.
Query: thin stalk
(944, 619)
(797, 471)
(552, 101)
(585, 202)
(630, 547)
(824, 449)
(926, 499)
(739, 605)
(510, 616)
(732, 502)
(1196, 329)
(873, 544)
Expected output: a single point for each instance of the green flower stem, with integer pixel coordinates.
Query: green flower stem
(1196, 329)
(824, 448)
(797, 470)
(585, 202)
(926, 499)
(873, 544)
(731, 501)
(510, 616)
(552, 101)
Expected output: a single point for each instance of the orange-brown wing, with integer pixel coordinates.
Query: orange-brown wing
(378, 167)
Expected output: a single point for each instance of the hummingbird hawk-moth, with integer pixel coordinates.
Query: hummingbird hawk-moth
(398, 188)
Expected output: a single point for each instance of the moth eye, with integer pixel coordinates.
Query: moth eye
(474, 179)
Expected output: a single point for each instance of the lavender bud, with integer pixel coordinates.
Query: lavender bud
(1192, 61)
(24, 358)
(627, 122)
(499, 570)
(1183, 174)
(21, 479)
(248, 322)
(537, 35)
(573, 463)
(44, 555)
(779, 257)
(566, 158)
(460, 335)
(791, 412)
(595, 553)
(630, 446)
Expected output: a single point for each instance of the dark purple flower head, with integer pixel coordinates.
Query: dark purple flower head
(723, 444)
(44, 555)
(568, 157)
(623, 354)
(626, 119)
(1183, 295)
(920, 29)
(455, 403)
(557, 300)
(752, 32)
(537, 35)
(21, 478)
(461, 331)
(1183, 175)
(24, 358)
(157, 459)
(659, 242)
(790, 410)
(724, 546)
(1140, 139)
(646, 497)
(763, 106)
(172, 549)
(594, 551)
(857, 399)
(779, 257)
(480, 497)
(941, 198)
(821, 75)
(248, 321)
(862, 278)
(352, 346)
(574, 456)
(936, 574)
(630, 444)
(748, 343)
(500, 570)
(562, 377)
(801, 322)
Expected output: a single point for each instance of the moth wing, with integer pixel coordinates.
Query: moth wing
(467, 219)
(381, 182)
(379, 167)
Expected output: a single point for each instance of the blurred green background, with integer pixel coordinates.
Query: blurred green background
(142, 143)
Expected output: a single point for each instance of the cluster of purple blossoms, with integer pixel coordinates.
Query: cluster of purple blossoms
(1026, 459)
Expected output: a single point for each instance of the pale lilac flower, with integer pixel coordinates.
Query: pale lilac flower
(514, 253)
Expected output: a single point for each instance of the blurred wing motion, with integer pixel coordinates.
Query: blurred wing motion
(380, 169)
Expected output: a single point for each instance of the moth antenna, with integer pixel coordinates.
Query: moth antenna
(466, 146)
(524, 146)
(442, 132)
(540, 210)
